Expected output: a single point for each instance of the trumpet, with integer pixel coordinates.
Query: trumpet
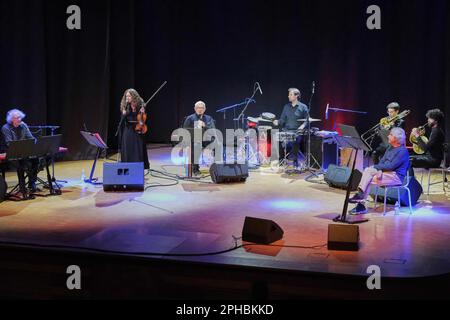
(384, 124)
(412, 138)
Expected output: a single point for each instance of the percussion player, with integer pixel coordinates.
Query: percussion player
(292, 112)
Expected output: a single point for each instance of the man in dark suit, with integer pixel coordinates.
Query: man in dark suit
(199, 120)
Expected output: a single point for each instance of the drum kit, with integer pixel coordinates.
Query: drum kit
(260, 149)
(267, 121)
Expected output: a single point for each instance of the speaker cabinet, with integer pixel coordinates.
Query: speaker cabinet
(339, 177)
(343, 237)
(123, 176)
(261, 231)
(228, 173)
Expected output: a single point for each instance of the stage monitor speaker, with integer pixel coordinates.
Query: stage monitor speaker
(343, 237)
(3, 188)
(261, 231)
(338, 177)
(228, 173)
(392, 195)
(123, 176)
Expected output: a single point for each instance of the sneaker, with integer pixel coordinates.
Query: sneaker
(358, 197)
(359, 209)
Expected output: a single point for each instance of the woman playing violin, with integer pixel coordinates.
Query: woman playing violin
(132, 143)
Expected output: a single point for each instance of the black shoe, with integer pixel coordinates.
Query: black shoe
(357, 198)
(359, 209)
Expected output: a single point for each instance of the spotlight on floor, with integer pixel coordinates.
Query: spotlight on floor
(261, 231)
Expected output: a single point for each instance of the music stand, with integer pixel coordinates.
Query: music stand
(18, 151)
(45, 147)
(356, 143)
(94, 140)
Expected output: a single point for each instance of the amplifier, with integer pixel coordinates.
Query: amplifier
(123, 176)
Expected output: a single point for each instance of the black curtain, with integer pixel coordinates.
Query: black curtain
(214, 51)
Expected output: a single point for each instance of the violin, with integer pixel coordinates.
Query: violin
(141, 126)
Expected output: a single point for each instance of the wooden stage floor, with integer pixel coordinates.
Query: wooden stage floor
(194, 217)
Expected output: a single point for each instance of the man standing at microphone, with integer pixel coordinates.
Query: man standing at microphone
(199, 120)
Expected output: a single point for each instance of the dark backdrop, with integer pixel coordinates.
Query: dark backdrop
(214, 51)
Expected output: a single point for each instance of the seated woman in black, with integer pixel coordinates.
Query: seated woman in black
(433, 155)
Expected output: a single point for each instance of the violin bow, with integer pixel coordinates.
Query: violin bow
(154, 95)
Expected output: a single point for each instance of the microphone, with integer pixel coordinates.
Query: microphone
(326, 112)
(200, 118)
(313, 87)
(259, 88)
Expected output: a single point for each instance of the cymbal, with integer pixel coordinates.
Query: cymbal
(310, 120)
(259, 119)
(252, 119)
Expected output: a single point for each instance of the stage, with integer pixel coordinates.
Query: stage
(190, 218)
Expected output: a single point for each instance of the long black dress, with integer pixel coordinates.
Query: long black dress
(132, 148)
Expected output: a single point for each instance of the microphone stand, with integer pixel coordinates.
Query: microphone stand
(52, 133)
(242, 118)
(119, 127)
(52, 130)
(241, 115)
(308, 143)
(225, 109)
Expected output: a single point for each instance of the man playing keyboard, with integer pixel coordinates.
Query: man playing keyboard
(15, 129)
